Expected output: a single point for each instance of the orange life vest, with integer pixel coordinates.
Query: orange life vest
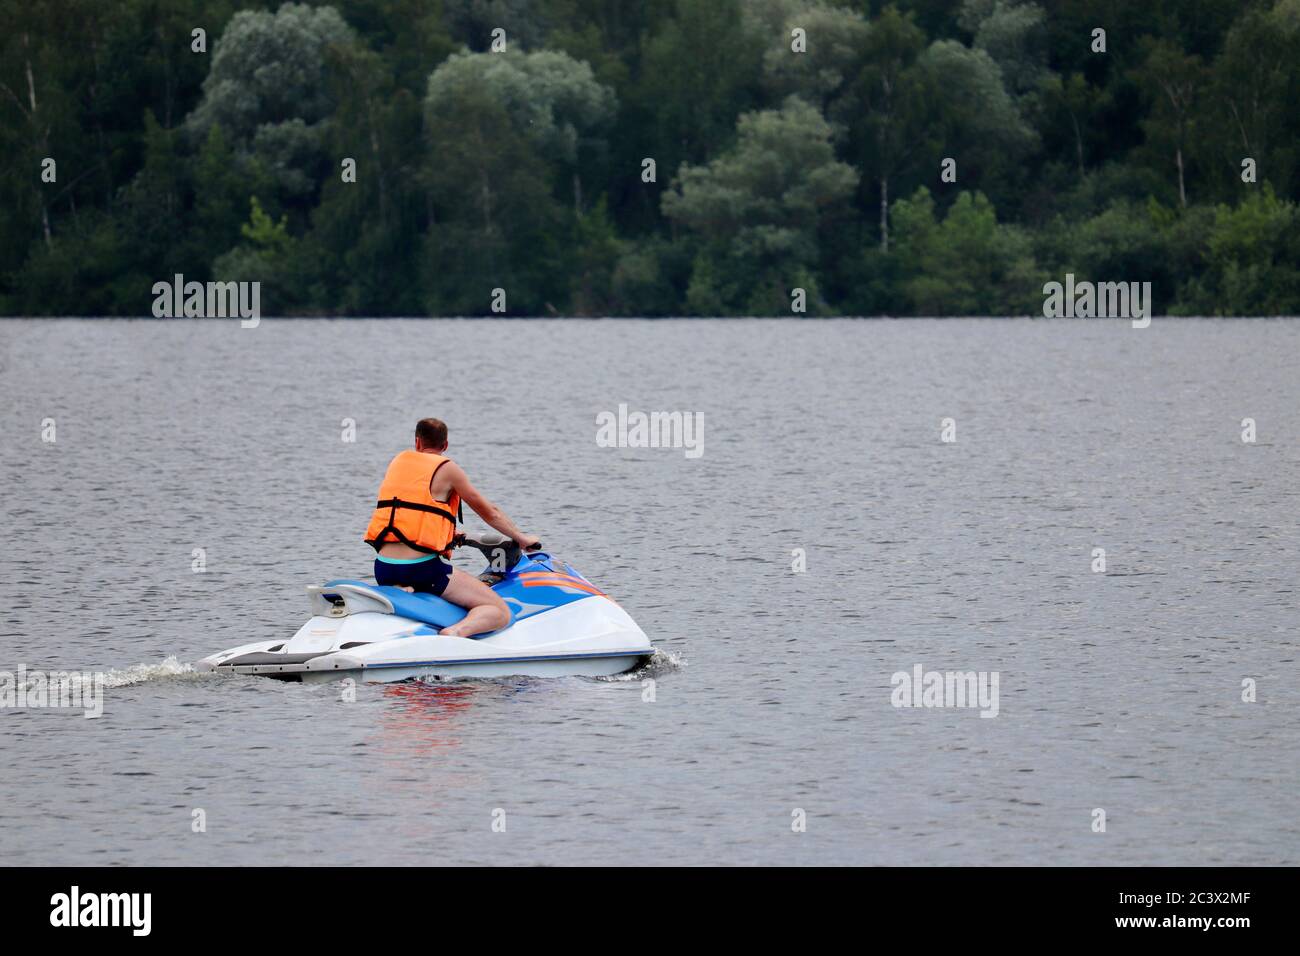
(407, 512)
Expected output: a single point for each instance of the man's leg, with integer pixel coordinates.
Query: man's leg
(487, 612)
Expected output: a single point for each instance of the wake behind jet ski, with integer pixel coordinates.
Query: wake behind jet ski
(560, 624)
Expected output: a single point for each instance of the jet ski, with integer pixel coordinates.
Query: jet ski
(560, 625)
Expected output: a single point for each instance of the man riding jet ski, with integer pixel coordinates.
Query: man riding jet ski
(528, 613)
(414, 528)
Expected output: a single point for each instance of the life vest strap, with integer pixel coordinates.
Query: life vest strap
(416, 506)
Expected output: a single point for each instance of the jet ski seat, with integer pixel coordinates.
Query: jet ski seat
(425, 608)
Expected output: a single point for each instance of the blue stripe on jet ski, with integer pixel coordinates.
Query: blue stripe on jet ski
(510, 660)
(438, 612)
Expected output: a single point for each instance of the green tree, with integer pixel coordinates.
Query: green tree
(553, 100)
(221, 187)
(1257, 89)
(363, 250)
(1174, 80)
(837, 43)
(760, 206)
(597, 252)
(892, 90)
(270, 68)
(966, 264)
(38, 107)
(1128, 241)
(505, 129)
(976, 118)
(472, 21)
(1253, 260)
(270, 90)
(266, 255)
(494, 220)
(411, 37)
(1014, 35)
(699, 72)
(1072, 103)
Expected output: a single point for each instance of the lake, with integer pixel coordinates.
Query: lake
(826, 538)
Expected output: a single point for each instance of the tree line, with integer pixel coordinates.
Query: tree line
(654, 158)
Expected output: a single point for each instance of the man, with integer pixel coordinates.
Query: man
(414, 524)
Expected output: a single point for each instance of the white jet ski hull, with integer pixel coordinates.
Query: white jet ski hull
(362, 636)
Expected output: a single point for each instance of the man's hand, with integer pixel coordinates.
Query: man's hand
(527, 541)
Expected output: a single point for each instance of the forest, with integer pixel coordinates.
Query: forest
(653, 158)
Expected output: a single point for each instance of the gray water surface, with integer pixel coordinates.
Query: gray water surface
(1119, 690)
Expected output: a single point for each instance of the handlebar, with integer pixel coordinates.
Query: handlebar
(500, 550)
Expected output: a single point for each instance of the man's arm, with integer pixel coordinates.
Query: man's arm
(485, 509)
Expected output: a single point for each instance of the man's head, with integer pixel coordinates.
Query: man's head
(431, 435)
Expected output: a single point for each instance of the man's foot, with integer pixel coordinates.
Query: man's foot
(450, 632)
(408, 590)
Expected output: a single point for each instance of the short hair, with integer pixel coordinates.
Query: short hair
(431, 432)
